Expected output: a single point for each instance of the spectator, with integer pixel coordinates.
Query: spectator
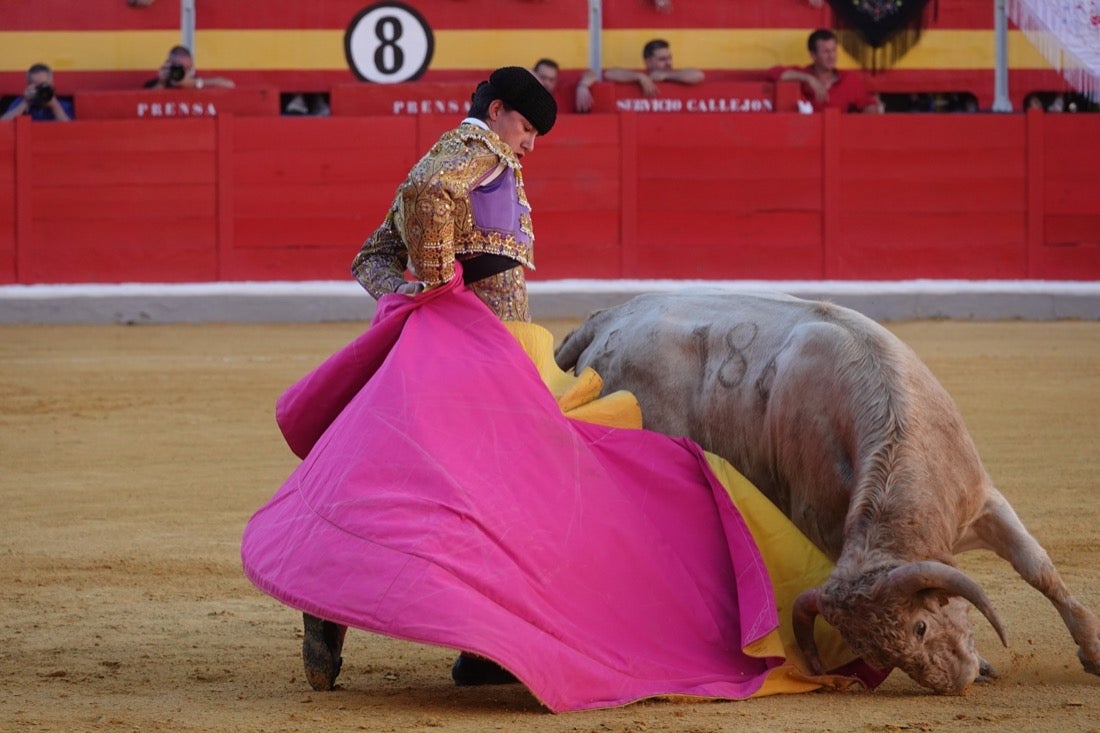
(178, 72)
(823, 85)
(546, 70)
(583, 101)
(39, 99)
(657, 55)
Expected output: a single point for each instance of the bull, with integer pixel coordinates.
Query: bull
(848, 432)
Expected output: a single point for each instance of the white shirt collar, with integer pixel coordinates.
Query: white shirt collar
(500, 166)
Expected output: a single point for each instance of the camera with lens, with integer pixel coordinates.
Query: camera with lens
(43, 93)
(176, 72)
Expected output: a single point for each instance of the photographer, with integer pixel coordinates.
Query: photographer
(40, 100)
(178, 72)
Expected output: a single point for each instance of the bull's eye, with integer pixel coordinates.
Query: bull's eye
(920, 628)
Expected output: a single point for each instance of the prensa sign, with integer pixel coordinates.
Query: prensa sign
(176, 109)
(176, 104)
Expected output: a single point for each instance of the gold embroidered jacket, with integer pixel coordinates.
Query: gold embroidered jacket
(440, 214)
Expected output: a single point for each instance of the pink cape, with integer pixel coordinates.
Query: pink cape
(445, 499)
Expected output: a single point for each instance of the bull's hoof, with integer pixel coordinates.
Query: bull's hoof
(470, 669)
(321, 646)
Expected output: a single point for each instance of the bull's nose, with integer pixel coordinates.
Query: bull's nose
(960, 684)
(952, 687)
(948, 681)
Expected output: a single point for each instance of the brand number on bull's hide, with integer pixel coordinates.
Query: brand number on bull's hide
(735, 365)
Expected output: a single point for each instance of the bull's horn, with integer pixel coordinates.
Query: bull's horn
(915, 577)
(806, 609)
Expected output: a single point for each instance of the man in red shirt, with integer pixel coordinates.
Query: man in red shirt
(823, 85)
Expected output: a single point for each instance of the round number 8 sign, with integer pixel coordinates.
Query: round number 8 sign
(388, 42)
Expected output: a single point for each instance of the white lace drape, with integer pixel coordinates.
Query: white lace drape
(1067, 33)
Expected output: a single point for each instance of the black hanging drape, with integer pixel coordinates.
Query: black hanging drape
(879, 32)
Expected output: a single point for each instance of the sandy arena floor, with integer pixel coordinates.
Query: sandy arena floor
(131, 458)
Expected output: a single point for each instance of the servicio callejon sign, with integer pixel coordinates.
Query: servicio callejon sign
(696, 104)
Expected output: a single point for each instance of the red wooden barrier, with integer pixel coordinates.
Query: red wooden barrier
(931, 196)
(1064, 198)
(573, 180)
(117, 201)
(7, 203)
(730, 196)
(710, 196)
(302, 196)
(176, 103)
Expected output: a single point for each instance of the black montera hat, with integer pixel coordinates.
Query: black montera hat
(522, 91)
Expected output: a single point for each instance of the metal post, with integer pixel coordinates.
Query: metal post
(1001, 102)
(187, 24)
(595, 37)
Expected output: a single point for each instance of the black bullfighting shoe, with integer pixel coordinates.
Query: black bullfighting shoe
(321, 646)
(470, 669)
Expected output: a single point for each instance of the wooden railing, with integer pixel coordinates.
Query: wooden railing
(676, 195)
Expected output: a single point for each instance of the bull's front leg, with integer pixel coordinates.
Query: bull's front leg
(1000, 530)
